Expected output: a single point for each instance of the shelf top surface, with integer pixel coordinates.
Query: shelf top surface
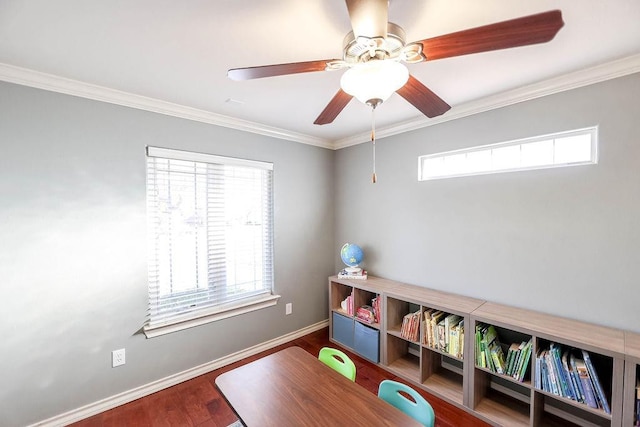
(632, 344)
(547, 325)
(437, 299)
(374, 284)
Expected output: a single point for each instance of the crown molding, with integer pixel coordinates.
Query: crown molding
(574, 80)
(53, 83)
(577, 79)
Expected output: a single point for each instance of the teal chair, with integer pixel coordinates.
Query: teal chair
(416, 407)
(338, 361)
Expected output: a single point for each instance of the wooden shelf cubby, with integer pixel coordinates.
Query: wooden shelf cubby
(435, 369)
(496, 398)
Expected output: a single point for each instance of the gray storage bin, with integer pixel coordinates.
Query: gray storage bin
(367, 342)
(343, 329)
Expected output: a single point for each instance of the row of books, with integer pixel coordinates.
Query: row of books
(490, 353)
(410, 328)
(570, 373)
(440, 330)
(517, 361)
(345, 274)
(443, 331)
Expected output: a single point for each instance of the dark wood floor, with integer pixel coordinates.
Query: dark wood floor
(198, 402)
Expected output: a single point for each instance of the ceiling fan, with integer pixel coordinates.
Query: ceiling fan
(374, 51)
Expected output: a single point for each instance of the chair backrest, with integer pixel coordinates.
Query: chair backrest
(418, 408)
(338, 361)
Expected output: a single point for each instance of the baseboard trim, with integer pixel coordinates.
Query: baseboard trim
(147, 389)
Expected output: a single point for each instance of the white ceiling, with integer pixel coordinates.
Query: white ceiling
(179, 51)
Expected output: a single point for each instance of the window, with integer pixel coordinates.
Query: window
(211, 238)
(577, 147)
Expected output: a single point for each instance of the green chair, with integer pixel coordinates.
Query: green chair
(416, 407)
(338, 361)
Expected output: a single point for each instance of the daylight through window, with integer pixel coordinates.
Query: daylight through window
(577, 147)
(211, 234)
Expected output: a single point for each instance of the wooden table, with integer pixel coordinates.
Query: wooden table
(293, 388)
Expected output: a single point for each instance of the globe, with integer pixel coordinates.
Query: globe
(351, 255)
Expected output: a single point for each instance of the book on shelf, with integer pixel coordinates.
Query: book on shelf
(512, 355)
(426, 327)
(580, 391)
(554, 387)
(477, 350)
(497, 357)
(585, 380)
(375, 303)
(456, 339)
(520, 370)
(537, 381)
(561, 374)
(427, 330)
(602, 398)
(361, 274)
(571, 378)
(450, 321)
(546, 385)
(436, 317)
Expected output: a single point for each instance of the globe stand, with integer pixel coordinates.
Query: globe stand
(353, 270)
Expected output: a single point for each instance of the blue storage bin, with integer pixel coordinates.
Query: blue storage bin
(343, 329)
(367, 342)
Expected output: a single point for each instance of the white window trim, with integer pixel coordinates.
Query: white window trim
(220, 312)
(206, 158)
(215, 314)
(593, 130)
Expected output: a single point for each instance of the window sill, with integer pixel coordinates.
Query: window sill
(212, 316)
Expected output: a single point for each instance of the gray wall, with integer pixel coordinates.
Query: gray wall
(73, 232)
(563, 241)
(73, 249)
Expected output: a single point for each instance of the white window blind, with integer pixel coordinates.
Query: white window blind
(211, 234)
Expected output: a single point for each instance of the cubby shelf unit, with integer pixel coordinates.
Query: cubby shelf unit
(436, 370)
(497, 399)
(503, 401)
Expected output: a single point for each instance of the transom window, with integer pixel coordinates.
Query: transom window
(211, 238)
(578, 147)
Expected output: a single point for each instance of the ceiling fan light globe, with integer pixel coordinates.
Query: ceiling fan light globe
(376, 79)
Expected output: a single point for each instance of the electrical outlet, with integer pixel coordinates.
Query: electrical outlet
(117, 357)
(288, 309)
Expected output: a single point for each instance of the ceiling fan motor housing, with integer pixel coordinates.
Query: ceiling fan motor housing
(362, 49)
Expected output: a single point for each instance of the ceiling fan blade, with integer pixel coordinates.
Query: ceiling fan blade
(335, 106)
(533, 29)
(421, 97)
(249, 73)
(369, 18)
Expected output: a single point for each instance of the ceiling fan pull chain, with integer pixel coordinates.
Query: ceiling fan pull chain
(373, 141)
